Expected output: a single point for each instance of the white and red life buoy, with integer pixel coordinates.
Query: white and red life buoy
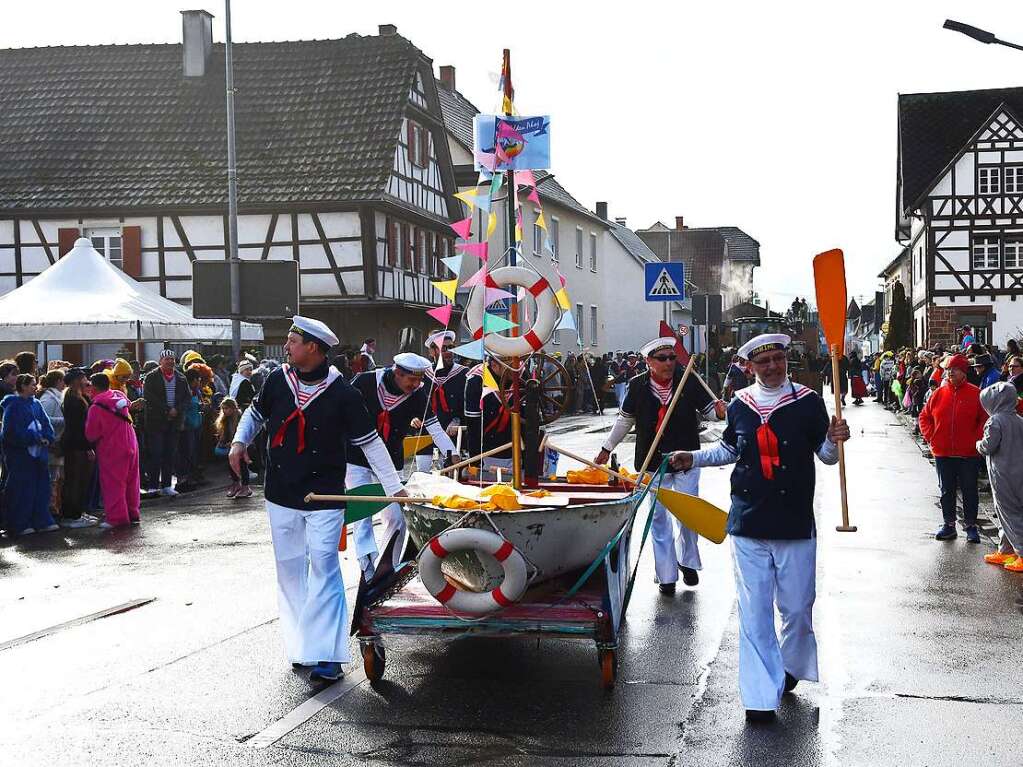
(548, 313)
(471, 539)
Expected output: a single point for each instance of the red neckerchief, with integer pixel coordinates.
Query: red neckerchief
(439, 396)
(663, 394)
(767, 440)
(388, 402)
(302, 401)
(167, 376)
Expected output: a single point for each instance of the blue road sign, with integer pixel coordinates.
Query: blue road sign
(665, 282)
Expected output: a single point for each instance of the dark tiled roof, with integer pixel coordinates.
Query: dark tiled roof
(116, 126)
(933, 127)
(633, 244)
(701, 250)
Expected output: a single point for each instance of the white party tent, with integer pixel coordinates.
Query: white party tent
(84, 298)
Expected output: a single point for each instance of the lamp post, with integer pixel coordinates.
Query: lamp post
(232, 194)
(977, 34)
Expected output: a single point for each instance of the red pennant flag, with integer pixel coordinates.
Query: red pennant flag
(680, 348)
(463, 228)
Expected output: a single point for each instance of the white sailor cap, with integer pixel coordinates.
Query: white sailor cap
(665, 342)
(313, 330)
(438, 338)
(765, 342)
(413, 363)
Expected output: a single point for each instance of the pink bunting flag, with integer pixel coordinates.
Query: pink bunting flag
(496, 294)
(486, 160)
(479, 249)
(505, 130)
(561, 277)
(501, 155)
(463, 228)
(534, 197)
(442, 313)
(476, 279)
(525, 178)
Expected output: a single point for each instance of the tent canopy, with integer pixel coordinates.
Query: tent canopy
(85, 298)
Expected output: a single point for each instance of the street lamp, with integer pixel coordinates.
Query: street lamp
(979, 35)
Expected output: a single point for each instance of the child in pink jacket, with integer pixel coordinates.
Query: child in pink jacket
(109, 427)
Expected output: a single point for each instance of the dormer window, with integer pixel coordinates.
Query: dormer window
(989, 180)
(418, 145)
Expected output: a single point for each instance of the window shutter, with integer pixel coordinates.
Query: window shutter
(131, 250)
(406, 248)
(410, 140)
(424, 148)
(392, 243)
(66, 239)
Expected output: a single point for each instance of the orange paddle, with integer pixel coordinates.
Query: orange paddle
(829, 275)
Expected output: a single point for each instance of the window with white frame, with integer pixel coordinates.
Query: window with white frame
(989, 179)
(537, 235)
(1013, 251)
(107, 242)
(1014, 179)
(593, 325)
(593, 252)
(985, 253)
(579, 247)
(554, 234)
(579, 326)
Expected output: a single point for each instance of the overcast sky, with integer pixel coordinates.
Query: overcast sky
(779, 118)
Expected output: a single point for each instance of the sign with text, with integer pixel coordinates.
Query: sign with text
(665, 282)
(512, 143)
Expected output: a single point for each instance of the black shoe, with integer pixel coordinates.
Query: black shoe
(667, 589)
(690, 577)
(790, 682)
(756, 716)
(972, 534)
(946, 533)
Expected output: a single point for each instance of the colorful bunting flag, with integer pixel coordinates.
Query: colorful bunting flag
(505, 130)
(525, 178)
(567, 322)
(479, 249)
(486, 160)
(562, 296)
(454, 263)
(463, 228)
(534, 197)
(495, 323)
(541, 222)
(489, 382)
(442, 313)
(469, 197)
(495, 185)
(447, 287)
(561, 277)
(491, 224)
(479, 278)
(472, 350)
(497, 294)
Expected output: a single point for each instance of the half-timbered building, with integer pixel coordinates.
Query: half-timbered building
(343, 166)
(959, 212)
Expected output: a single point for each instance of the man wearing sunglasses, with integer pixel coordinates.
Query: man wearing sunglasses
(775, 427)
(645, 406)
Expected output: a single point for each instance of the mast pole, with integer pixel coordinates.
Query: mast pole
(516, 418)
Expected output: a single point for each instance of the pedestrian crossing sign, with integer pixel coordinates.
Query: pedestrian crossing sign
(665, 282)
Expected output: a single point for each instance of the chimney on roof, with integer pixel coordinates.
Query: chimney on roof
(602, 210)
(680, 223)
(620, 220)
(386, 30)
(197, 42)
(447, 77)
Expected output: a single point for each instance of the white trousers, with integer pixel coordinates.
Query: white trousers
(675, 544)
(769, 573)
(310, 590)
(365, 541)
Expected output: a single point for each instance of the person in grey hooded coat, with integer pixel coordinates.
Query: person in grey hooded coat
(1002, 444)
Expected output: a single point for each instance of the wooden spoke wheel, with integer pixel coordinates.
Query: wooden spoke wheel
(608, 668)
(373, 660)
(551, 379)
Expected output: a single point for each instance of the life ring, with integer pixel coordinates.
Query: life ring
(548, 313)
(471, 539)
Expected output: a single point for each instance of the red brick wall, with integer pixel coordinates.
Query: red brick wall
(941, 326)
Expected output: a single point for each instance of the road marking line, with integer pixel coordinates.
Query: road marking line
(76, 622)
(306, 711)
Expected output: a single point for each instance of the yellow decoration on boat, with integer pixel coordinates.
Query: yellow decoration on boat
(489, 492)
(587, 476)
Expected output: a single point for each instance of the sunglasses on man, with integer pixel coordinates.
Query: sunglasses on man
(664, 357)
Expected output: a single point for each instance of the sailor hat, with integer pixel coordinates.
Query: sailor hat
(313, 330)
(438, 338)
(765, 342)
(665, 342)
(412, 363)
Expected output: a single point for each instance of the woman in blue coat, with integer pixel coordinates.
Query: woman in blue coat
(26, 435)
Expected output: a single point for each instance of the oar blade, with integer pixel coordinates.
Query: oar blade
(356, 510)
(698, 515)
(829, 276)
(413, 445)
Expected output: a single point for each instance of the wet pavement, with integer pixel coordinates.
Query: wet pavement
(920, 651)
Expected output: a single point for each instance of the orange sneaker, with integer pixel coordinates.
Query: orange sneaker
(1015, 566)
(998, 558)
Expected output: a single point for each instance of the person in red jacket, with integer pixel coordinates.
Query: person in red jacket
(952, 421)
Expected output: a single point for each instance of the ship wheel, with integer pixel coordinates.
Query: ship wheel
(551, 380)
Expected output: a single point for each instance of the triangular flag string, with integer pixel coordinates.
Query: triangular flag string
(454, 263)
(447, 287)
(472, 350)
(463, 228)
(442, 313)
(494, 323)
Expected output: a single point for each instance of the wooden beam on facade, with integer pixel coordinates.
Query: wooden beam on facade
(270, 230)
(368, 230)
(329, 253)
(17, 252)
(42, 240)
(184, 238)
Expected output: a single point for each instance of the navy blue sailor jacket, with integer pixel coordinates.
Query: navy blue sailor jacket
(772, 484)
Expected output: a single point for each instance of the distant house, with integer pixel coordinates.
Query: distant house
(343, 166)
(959, 212)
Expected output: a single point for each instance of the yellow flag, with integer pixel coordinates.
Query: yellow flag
(541, 221)
(562, 296)
(447, 287)
(468, 197)
(518, 233)
(491, 225)
(489, 382)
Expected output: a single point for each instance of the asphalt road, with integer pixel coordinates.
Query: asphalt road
(920, 652)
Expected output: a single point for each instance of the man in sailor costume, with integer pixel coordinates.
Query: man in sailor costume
(676, 547)
(395, 397)
(774, 429)
(487, 418)
(445, 386)
(311, 416)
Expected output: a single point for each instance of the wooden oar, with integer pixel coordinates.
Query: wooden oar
(524, 500)
(829, 276)
(667, 417)
(692, 511)
(475, 458)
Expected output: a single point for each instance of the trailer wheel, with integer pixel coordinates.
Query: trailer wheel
(373, 660)
(608, 668)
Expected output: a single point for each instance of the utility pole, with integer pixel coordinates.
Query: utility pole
(232, 194)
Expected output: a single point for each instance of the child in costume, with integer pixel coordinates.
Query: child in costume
(109, 427)
(26, 436)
